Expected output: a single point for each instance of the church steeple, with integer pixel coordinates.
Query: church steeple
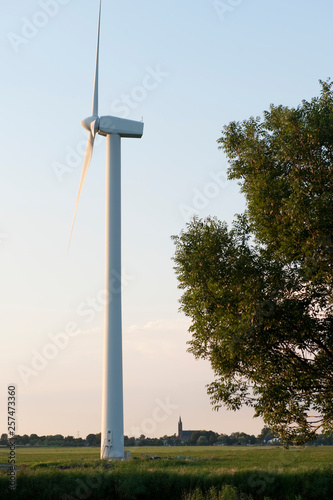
(180, 427)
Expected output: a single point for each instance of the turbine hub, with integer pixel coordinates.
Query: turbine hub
(91, 124)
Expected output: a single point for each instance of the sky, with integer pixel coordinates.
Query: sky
(188, 68)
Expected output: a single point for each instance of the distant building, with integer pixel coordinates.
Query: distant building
(184, 436)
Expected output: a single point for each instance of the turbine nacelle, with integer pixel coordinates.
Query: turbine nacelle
(106, 125)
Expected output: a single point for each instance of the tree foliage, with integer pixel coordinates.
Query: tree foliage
(284, 164)
(260, 294)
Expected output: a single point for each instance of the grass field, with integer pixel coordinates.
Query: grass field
(173, 473)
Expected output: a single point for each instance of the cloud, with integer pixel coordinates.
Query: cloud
(161, 325)
(157, 338)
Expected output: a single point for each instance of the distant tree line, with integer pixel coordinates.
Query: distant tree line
(55, 441)
(198, 438)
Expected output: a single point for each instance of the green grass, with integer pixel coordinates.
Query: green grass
(214, 473)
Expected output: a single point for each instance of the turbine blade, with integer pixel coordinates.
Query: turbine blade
(95, 97)
(86, 163)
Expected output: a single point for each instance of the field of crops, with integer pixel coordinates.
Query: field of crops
(172, 473)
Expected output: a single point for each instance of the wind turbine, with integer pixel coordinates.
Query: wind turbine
(113, 128)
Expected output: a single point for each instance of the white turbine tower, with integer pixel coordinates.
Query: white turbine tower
(112, 439)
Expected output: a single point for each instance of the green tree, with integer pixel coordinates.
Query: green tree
(266, 435)
(323, 440)
(195, 436)
(260, 294)
(91, 440)
(98, 439)
(224, 439)
(34, 440)
(69, 441)
(212, 437)
(4, 439)
(284, 164)
(202, 441)
(129, 441)
(25, 439)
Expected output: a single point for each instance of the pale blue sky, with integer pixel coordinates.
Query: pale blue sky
(212, 67)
